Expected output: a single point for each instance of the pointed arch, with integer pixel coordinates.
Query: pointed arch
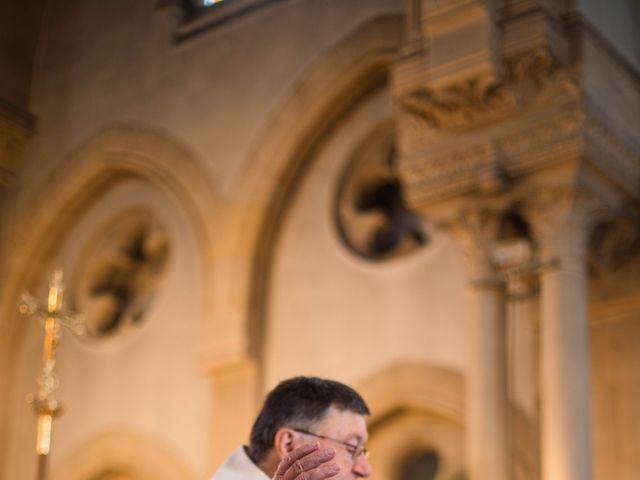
(122, 454)
(116, 153)
(416, 408)
(414, 386)
(353, 69)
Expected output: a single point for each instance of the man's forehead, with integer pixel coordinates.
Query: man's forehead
(345, 423)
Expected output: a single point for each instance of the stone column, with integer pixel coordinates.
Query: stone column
(515, 257)
(561, 221)
(487, 412)
(235, 405)
(487, 408)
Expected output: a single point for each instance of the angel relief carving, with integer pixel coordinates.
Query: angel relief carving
(372, 215)
(120, 273)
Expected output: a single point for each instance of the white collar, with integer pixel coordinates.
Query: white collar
(239, 467)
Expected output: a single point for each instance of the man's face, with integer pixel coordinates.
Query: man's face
(350, 428)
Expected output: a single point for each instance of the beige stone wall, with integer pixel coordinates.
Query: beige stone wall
(116, 62)
(329, 309)
(615, 347)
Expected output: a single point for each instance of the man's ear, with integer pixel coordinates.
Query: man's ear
(284, 441)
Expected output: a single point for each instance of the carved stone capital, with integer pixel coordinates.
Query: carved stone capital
(475, 231)
(562, 218)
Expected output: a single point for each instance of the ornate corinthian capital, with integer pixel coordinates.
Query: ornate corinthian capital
(475, 231)
(562, 219)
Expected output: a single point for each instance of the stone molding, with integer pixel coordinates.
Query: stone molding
(15, 131)
(489, 165)
(438, 176)
(613, 155)
(122, 452)
(416, 386)
(405, 396)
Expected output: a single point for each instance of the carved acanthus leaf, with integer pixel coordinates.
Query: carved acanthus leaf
(527, 76)
(475, 231)
(562, 218)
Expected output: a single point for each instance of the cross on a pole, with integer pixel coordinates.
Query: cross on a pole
(44, 403)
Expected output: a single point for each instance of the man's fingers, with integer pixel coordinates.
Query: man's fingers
(294, 456)
(305, 468)
(307, 463)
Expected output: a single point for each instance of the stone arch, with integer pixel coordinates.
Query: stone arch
(356, 67)
(122, 454)
(405, 394)
(115, 153)
(414, 386)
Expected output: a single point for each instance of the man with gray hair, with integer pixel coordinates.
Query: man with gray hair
(308, 429)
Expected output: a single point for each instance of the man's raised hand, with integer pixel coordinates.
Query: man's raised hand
(307, 462)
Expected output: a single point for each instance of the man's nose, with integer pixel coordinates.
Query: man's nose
(362, 467)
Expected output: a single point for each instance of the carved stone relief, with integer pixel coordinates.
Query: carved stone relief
(479, 100)
(371, 213)
(118, 273)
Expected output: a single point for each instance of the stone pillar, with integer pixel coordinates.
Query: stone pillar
(487, 409)
(514, 255)
(235, 397)
(562, 224)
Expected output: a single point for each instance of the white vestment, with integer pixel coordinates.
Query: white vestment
(239, 467)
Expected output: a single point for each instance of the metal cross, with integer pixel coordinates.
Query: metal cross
(44, 403)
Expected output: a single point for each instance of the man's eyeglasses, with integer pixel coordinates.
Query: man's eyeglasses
(354, 450)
